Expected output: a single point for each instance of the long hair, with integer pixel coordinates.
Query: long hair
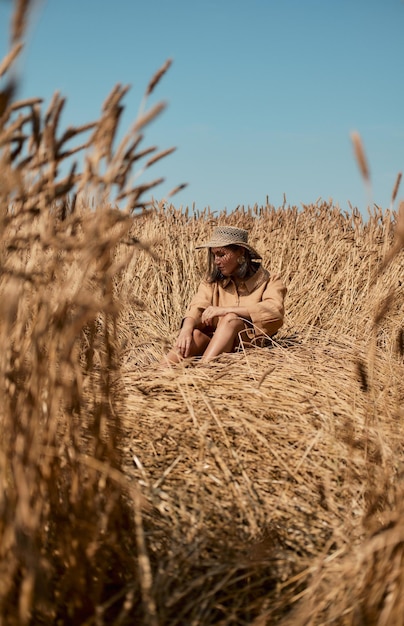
(246, 269)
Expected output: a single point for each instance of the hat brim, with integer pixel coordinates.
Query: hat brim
(221, 244)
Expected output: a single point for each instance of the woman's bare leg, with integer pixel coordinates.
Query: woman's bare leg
(200, 341)
(225, 336)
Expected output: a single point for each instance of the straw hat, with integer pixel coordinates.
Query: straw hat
(230, 236)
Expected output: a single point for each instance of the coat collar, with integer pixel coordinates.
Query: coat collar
(252, 283)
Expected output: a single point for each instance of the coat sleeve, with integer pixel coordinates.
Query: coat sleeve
(268, 314)
(201, 300)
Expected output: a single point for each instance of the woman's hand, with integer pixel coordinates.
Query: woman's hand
(211, 312)
(183, 343)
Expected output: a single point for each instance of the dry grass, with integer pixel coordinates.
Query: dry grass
(263, 488)
(269, 471)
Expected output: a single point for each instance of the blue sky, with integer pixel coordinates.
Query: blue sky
(262, 94)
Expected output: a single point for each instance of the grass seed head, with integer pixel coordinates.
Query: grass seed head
(396, 187)
(360, 155)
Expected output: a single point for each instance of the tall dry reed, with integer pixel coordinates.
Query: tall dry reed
(71, 535)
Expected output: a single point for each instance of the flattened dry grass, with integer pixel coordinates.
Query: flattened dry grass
(281, 461)
(270, 449)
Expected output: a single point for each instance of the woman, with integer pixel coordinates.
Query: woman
(238, 300)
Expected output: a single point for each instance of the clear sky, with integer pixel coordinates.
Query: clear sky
(262, 94)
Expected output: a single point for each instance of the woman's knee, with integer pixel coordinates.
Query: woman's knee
(200, 339)
(198, 335)
(233, 321)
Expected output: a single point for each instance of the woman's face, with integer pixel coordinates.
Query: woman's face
(226, 259)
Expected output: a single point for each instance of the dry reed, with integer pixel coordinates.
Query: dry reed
(278, 461)
(70, 526)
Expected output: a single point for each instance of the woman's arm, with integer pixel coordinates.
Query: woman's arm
(184, 338)
(268, 314)
(201, 301)
(218, 311)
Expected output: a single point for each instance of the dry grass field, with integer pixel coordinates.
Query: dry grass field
(265, 487)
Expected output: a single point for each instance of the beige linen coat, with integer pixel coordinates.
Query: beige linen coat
(262, 295)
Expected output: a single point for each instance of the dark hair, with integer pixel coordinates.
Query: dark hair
(246, 270)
